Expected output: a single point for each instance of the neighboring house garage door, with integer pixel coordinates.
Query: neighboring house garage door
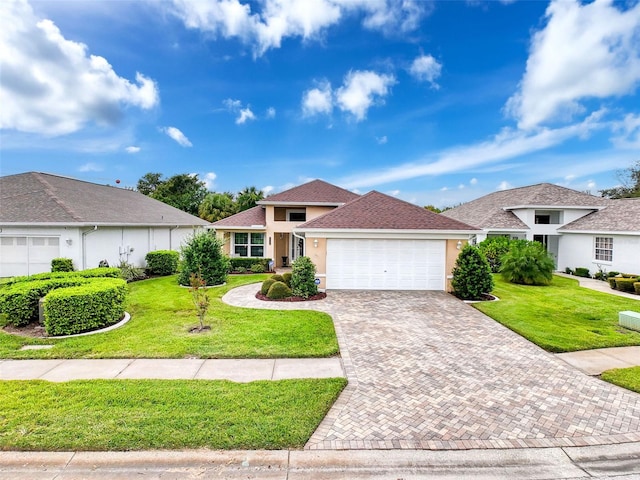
(27, 255)
(359, 264)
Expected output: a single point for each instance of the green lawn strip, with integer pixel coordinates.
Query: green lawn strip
(161, 314)
(162, 414)
(562, 317)
(628, 378)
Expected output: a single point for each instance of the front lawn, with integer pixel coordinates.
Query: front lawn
(162, 414)
(161, 314)
(628, 378)
(563, 316)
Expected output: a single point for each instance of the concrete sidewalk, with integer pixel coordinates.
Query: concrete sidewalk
(594, 362)
(599, 286)
(610, 461)
(237, 370)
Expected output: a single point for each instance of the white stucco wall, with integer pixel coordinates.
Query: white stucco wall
(578, 250)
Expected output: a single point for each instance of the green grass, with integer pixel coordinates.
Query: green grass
(161, 314)
(162, 414)
(563, 316)
(628, 378)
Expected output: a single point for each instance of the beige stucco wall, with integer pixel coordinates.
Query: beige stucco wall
(452, 256)
(318, 256)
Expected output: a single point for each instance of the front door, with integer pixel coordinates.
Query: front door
(297, 247)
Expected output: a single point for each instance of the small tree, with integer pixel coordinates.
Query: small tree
(471, 274)
(200, 297)
(203, 254)
(493, 249)
(527, 263)
(303, 278)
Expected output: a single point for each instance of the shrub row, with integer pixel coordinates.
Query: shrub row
(82, 308)
(625, 283)
(162, 262)
(247, 263)
(19, 302)
(89, 273)
(277, 286)
(62, 265)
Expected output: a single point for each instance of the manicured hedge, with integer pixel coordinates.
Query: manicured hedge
(162, 262)
(625, 284)
(89, 273)
(91, 306)
(278, 291)
(248, 262)
(636, 287)
(19, 302)
(62, 265)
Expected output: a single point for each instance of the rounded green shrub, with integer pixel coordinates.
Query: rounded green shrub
(278, 278)
(94, 305)
(471, 274)
(636, 287)
(493, 249)
(278, 291)
(625, 284)
(612, 282)
(202, 254)
(303, 273)
(241, 270)
(258, 268)
(162, 262)
(266, 285)
(89, 273)
(287, 278)
(62, 265)
(527, 263)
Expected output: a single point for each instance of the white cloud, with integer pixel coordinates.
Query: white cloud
(264, 24)
(91, 167)
(627, 132)
(268, 189)
(473, 181)
(361, 90)
(382, 140)
(504, 185)
(508, 144)
(425, 68)
(271, 113)
(584, 51)
(209, 180)
(243, 114)
(318, 100)
(132, 149)
(394, 193)
(461, 186)
(53, 86)
(177, 135)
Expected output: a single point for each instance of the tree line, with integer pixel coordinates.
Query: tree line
(190, 194)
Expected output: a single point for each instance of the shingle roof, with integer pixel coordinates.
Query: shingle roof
(377, 211)
(621, 215)
(51, 199)
(314, 192)
(248, 218)
(488, 211)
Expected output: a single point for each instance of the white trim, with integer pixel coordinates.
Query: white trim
(598, 232)
(102, 224)
(389, 233)
(232, 246)
(554, 207)
(300, 204)
(252, 228)
(289, 211)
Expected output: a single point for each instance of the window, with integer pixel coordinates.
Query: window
(604, 249)
(297, 215)
(248, 244)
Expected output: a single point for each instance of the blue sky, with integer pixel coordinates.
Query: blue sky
(434, 102)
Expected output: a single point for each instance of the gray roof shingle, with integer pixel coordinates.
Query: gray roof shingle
(314, 192)
(377, 211)
(43, 198)
(488, 212)
(621, 215)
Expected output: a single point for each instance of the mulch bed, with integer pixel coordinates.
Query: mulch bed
(33, 329)
(317, 296)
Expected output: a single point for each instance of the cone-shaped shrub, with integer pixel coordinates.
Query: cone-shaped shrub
(203, 255)
(303, 276)
(471, 274)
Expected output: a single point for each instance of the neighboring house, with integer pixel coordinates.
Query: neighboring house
(44, 216)
(578, 229)
(369, 242)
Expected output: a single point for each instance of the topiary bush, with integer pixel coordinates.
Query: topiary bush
(303, 276)
(582, 272)
(278, 278)
(625, 284)
(202, 254)
(471, 274)
(493, 249)
(527, 263)
(162, 262)
(258, 268)
(266, 285)
(96, 304)
(278, 291)
(62, 265)
(612, 282)
(636, 287)
(286, 278)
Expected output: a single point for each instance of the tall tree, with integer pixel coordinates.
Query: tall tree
(183, 191)
(248, 197)
(629, 184)
(149, 183)
(217, 206)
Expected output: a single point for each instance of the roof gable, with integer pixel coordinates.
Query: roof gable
(377, 211)
(490, 211)
(248, 218)
(314, 192)
(51, 199)
(622, 215)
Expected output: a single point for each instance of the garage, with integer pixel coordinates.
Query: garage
(23, 255)
(385, 264)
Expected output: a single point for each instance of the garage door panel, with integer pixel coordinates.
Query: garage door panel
(387, 264)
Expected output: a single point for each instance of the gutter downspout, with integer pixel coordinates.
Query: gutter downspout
(84, 245)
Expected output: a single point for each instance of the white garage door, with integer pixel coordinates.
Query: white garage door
(386, 264)
(27, 255)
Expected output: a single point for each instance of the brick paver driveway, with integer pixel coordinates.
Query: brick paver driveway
(427, 371)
